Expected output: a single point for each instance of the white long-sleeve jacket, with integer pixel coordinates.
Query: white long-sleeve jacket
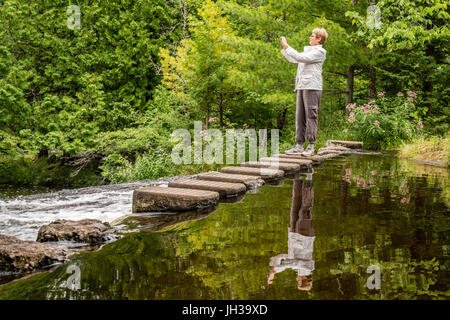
(309, 70)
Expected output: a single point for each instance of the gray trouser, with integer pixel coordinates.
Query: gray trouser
(306, 115)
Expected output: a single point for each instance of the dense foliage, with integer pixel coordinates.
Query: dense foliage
(107, 95)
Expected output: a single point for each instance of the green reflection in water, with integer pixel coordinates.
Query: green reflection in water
(366, 211)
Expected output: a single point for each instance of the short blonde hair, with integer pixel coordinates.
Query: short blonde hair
(322, 33)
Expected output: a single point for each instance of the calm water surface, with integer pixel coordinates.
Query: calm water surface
(360, 227)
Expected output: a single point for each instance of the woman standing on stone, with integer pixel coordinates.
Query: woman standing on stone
(308, 84)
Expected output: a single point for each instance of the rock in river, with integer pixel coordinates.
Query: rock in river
(90, 231)
(21, 256)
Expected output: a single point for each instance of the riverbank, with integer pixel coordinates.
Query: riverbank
(433, 150)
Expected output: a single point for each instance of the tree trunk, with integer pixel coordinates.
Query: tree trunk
(221, 116)
(350, 78)
(183, 6)
(427, 84)
(281, 119)
(372, 77)
(221, 110)
(207, 116)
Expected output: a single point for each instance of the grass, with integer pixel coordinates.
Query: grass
(434, 148)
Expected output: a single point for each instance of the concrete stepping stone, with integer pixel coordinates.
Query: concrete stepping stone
(250, 182)
(327, 151)
(225, 189)
(302, 162)
(344, 143)
(288, 168)
(264, 173)
(315, 159)
(337, 148)
(149, 199)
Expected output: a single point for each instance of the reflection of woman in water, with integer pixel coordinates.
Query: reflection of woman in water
(300, 236)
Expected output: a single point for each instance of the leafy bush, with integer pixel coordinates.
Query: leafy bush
(385, 122)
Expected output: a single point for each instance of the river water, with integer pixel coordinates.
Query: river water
(360, 227)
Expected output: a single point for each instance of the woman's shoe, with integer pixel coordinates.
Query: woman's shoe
(309, 152)
(297, 149)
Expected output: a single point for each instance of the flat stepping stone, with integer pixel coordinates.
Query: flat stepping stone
(249, 181)
(225, 189)
(344, 143)
(149, 199)
(301, 162)
(326, 151)
(286, 167)
(264, 173)
(315, 159)
(337, 148)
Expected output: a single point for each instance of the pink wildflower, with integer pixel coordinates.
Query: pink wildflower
(211, 120)
(351, 117)
(376, 123)
(350, 106)
(158, 147)
(411, 94)
(395, 123)
(203, 132)
(420, 124)
(373, 172)
(399, 94)
(381, 93)
(345, 130)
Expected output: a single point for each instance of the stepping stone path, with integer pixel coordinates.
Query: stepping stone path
(206, 189)
(225, 189)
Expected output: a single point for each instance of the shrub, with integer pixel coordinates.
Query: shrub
(385, 122)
